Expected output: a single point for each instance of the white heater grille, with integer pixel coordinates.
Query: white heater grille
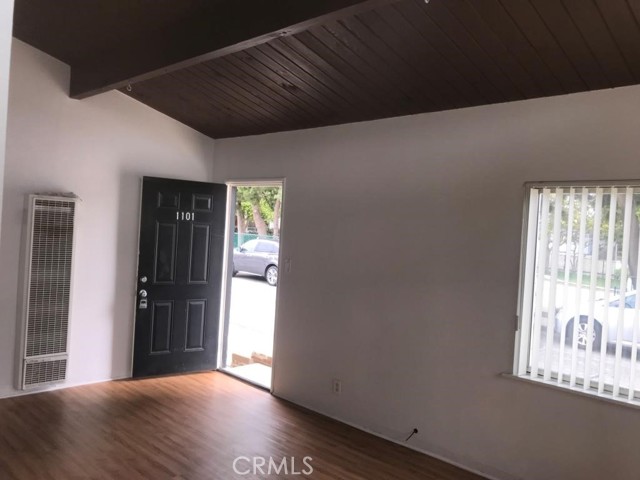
(39, 372)
(49, 262)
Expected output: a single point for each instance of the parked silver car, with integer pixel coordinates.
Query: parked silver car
(259, 257)
(565, 319)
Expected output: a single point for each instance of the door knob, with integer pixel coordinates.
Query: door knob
(143, 293)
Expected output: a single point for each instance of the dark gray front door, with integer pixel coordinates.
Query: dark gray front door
(179, 276)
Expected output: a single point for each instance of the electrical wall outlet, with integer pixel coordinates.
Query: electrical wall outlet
(336, 386)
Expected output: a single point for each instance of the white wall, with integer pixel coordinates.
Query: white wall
(404, 239)
(98, 148)
(6, 27)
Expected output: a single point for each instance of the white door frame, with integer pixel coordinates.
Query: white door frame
(228, 260)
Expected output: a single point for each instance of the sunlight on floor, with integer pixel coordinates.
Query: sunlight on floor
(254, 373)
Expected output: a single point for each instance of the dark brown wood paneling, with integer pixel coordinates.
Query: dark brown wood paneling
(238, 94)
(457, 31)
(219, 92)
(331, 70)
(406, 78)
(545, 44)
(426, 57)
(299, 82)
(211, 31)
(384, 58)
(563, 28)
(413, 60)
(375, 90)
(249, 82)
(188, 107)
(284, 80)
(73, 31)
(623, 26)
(443, 42)
(510, 38)
(589, 21)
(493, 47)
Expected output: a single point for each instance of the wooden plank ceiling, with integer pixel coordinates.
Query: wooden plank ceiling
(383, 59)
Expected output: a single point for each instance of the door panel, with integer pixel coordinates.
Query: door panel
(161, 323)
(180, 271)
(196, 319)
(199, 258)
(166, 244)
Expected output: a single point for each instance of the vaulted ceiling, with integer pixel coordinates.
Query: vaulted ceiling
(229, 68)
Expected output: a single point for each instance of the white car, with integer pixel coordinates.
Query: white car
(565, 319)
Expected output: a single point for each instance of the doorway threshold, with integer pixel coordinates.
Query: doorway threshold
(254, 373)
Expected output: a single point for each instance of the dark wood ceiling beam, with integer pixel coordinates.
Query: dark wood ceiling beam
(218, 31)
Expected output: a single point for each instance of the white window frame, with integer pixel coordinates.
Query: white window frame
(525, 307)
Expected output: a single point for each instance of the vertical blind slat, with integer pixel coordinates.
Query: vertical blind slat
(628, 207)
(613, 205)
(567, 271)
(541, 266)
(521, 364)
(634, 344)
(593, 269)
(578, 294)
(555, 251)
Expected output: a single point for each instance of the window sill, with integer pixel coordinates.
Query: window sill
(603, 397)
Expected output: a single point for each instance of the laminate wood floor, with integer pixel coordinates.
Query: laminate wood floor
(191, 427)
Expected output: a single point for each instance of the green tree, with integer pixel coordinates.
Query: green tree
(260, 206)
(575, 204)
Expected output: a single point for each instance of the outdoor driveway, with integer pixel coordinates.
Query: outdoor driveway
(253, 304)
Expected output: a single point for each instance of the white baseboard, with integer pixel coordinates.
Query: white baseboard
(477, 471)
(13, 392)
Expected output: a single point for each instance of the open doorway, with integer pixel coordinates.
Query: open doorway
(253, 267)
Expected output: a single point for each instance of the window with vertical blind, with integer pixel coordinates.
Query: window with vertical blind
(579, 321)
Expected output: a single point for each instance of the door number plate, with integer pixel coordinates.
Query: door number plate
(188, 216)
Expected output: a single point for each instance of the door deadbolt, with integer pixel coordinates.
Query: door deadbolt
(142, 301)
(143, 279)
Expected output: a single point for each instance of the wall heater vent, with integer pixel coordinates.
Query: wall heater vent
(49, 259)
